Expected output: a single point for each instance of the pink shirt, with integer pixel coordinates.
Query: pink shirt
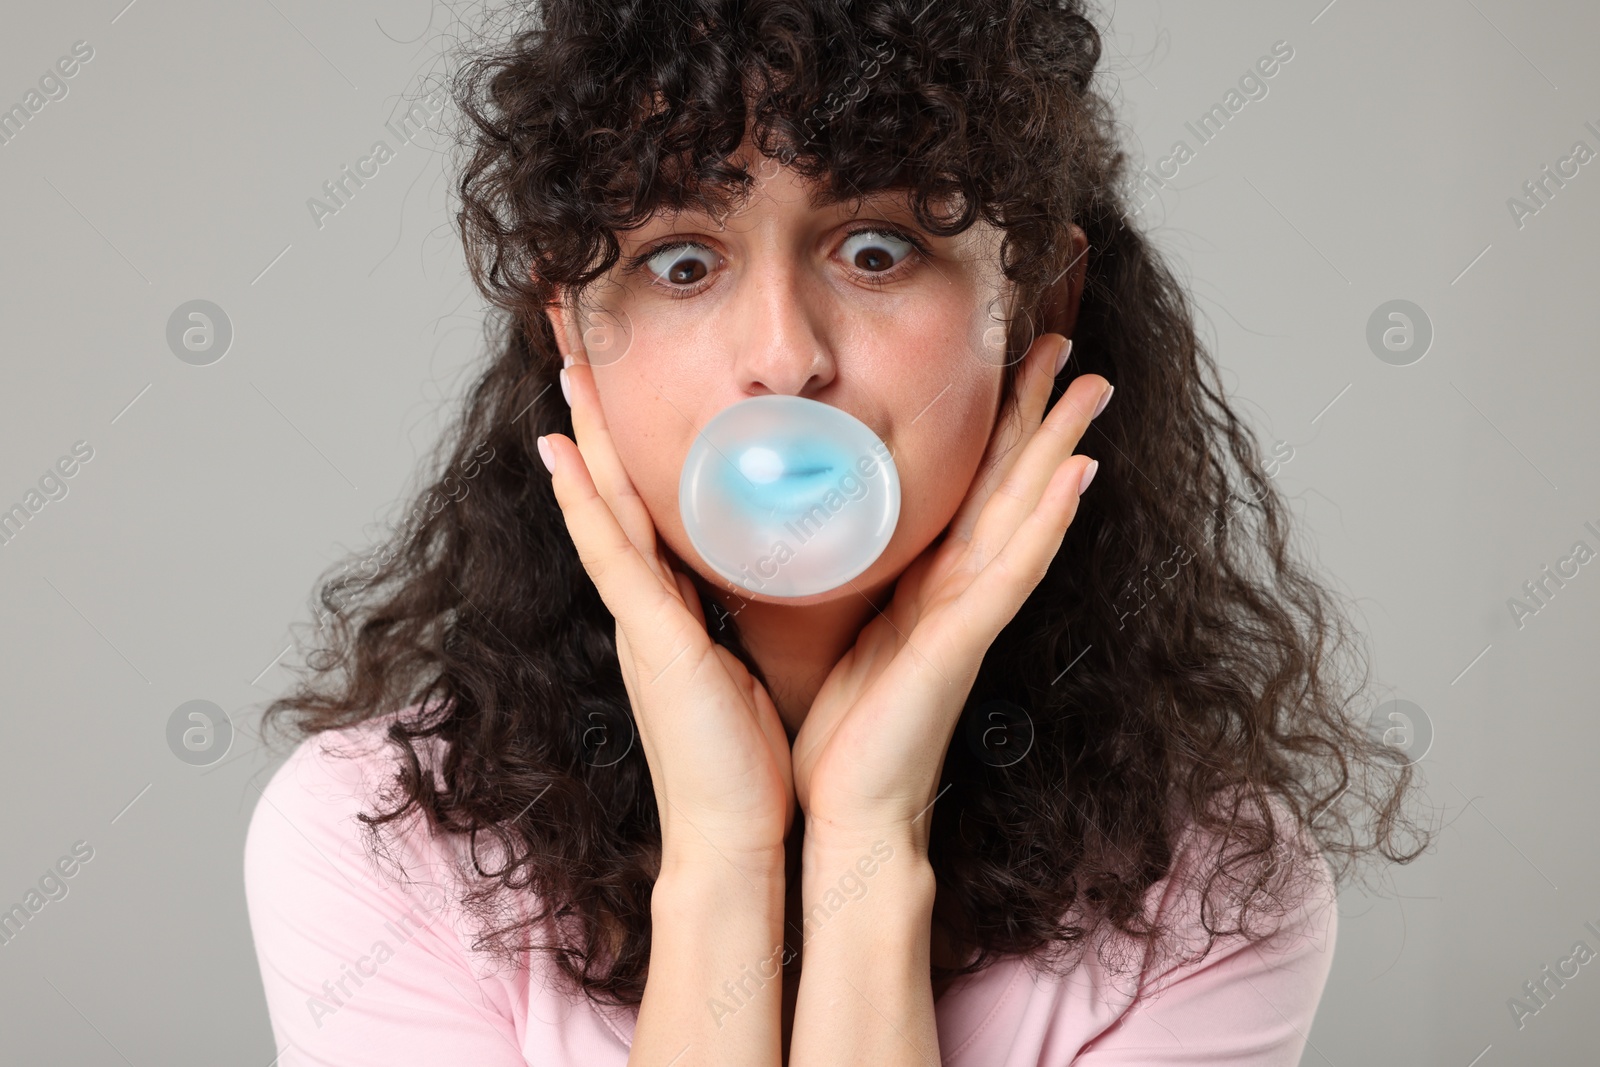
(362, 969)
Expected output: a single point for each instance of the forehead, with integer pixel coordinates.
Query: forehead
(774, 186)
(771, 176)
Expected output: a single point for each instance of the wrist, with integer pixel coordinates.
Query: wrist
(690, 871)
(839, 841)
(853, 869)
(704, 842)
(861, 909)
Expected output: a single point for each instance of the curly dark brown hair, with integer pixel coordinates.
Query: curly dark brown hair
(1176, 667)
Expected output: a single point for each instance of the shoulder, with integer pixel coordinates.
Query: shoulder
(306, 832)
(1207, 989)
(364, 946)
(312, 861)
(1229, 909)
(314, 799)
(1200, 990)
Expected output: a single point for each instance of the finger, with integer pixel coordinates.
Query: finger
(1016, 427)
(656, 620)
(691, 596)
(998, 591)
(1047, 449)
(610, 478)
(766, 716)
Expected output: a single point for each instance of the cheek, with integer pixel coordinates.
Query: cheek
(938, 454)
(651, 440)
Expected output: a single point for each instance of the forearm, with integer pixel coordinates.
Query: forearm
(715, 984)
(865, 989)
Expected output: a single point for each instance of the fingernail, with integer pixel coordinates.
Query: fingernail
(568, 360)
(1098, 408)
(546, 455)
(567, 392)
(1088, 475)
(1061, 360)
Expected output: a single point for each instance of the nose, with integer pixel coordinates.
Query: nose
(783, 342)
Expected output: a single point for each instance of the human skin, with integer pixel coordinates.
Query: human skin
(776, 306)
(779, 308)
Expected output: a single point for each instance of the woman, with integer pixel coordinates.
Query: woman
(1055, 780)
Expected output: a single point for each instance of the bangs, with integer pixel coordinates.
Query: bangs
(644, 110)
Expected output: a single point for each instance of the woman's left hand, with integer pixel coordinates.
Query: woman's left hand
(868, 756)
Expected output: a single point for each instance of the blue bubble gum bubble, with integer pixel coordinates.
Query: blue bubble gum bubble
(787, 496)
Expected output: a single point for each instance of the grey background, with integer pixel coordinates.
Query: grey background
(1378, 167)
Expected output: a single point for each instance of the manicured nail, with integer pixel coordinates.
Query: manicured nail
(1061, 360)
(1088, 475)
(1098, 408)
(546, 455)
(568, 360)
(567, 392)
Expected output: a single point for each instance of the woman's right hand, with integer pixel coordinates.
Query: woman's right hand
(715, 745)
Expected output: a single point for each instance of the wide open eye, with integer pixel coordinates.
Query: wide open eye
(684, 263)
(875, 251)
